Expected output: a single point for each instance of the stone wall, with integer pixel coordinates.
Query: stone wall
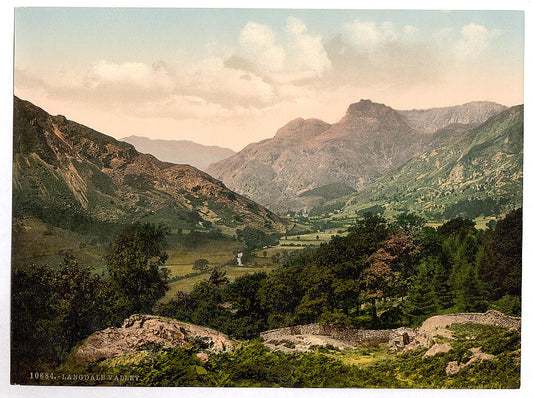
(397, 338)
(343, 333)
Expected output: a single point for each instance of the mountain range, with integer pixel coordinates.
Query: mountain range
(180, 151)
(72, 176)
(306, 156)
(480, 173)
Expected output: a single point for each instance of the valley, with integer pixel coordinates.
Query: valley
(430, 224)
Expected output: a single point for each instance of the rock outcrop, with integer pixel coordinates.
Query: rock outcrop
(64, 170)
(148, 333)
(288, 171)
(454, 367)
(437, 325)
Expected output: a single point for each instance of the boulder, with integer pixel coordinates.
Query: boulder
(438, 325)
(148, 333)
(437, 348)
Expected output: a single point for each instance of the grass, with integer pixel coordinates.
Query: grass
(35, 243)
(219, 253)
(232, 272)
(364, 356)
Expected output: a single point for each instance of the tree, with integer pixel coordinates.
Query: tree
(217, 278)
(410, 223)
(471, 296)
(422, 299)
(501, 265)
(51, 311)
(135, 263)
(201, 265)
(378, 281)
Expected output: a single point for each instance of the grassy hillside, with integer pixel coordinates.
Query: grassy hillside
(34, 242)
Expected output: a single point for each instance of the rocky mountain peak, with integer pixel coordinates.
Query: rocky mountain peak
(302, 128)
(371, 111)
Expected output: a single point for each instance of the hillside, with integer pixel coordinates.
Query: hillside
(73, 177)
(305, 157)
(180, 151)
(433, 119)
(480, 173)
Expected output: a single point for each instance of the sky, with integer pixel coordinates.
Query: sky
(230, 77)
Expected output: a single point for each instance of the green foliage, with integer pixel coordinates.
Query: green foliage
(375, 277)
(422, 299)
(501, 265)
(134, 264)
(52, 310)
(329, 191)
(509, 305)
(201, 265)
(256, 239)
(253, 365)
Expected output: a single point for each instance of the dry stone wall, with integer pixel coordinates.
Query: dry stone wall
(343, 333)
(396, 338)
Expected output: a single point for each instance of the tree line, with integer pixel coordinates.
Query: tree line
(381, 275)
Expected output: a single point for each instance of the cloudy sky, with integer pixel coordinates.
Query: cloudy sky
(231, 77)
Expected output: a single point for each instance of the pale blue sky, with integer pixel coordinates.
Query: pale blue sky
(233, 76)
(125, 34)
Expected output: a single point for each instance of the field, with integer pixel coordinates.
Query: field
(36, 243)
(219, 253)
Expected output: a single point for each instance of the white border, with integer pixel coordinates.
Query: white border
(6, 104)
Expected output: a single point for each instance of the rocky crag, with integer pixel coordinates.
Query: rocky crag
(67, 174)
(147, 333)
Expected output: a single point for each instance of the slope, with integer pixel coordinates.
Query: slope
(71, 176)
(480, 173)
(180, 151)
(308, 154)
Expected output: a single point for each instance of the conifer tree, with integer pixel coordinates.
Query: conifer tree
(422, 299)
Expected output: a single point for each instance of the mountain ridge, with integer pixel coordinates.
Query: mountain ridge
(479, 173)
(180, 151)
(433, 119)
(306, 154)
(65, 172)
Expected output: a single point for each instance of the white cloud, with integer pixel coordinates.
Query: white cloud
(129, 73)
(388, 31)
(212, 80)
(363, 34)
(305, 51)
(474, 40)
(257, 41)
(290, 55)
(410, 30)
(295, 26)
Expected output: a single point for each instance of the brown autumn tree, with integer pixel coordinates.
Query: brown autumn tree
(388, 269)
